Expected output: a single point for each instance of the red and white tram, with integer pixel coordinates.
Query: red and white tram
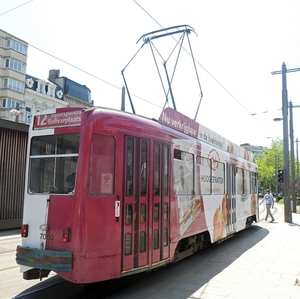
(110, 193)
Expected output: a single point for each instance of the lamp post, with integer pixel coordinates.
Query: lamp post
(293, 178)
(293, 181)
(298, 178)
(276, 179)
(287, 206)
(286, 172)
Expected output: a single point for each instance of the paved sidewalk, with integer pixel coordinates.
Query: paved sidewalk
(270, 269)
(260, 263)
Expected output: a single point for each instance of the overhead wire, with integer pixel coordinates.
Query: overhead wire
(106, 82)
(72, 65)
(15, 8)
(217, 81)
(98, 78)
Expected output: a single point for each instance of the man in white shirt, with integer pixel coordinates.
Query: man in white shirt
(269, 200)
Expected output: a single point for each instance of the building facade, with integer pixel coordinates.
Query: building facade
(40, 95)
(255, 149)
(13, 61)
(21, 95)
(75, 94)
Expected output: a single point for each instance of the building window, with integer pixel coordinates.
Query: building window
(0, 41)
(17, 46)
(8, 103)
(16, 65)
(101, 177)
(27, 115)
(41, 87)
(50, 90)
(13, 84)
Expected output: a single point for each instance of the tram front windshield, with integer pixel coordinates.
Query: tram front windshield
(52, 164)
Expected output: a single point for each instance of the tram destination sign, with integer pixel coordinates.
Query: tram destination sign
(57, 120)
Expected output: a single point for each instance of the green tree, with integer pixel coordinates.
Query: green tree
(268, 162)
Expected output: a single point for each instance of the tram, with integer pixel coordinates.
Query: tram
(109, 193)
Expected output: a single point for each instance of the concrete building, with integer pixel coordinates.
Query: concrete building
(13, 61)
(40, 95)
(21, 95)
(53, 93)
(255, 149)
(74, 93)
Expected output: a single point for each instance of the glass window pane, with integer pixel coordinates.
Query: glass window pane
(166, 214)
(55, 144)
(144, 178)
(166, 170)
(156, 239)
(142, 242)
(204, 167)
(129, 174)
(53, 174)
(143, 213)
(166, 236)
(128, 247)
(102, 166)
(218, 181)
(157, 170)
(156, 212)
(128, 214)
(253, 183)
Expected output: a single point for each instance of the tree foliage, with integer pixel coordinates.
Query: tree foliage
(269, 162)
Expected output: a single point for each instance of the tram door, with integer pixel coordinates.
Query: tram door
(160, 221)
(146, 212)
(231, 198)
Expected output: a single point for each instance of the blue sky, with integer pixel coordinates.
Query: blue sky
(237, 46)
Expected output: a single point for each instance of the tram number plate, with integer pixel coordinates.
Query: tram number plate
(46, 237)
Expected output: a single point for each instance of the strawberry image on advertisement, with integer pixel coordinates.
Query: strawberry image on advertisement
(224, 208)
(220, 220)
(219, 224)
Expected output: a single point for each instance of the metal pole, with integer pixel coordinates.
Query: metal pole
(298, 178)
(293, 181)
(286, 171)
(123, 99)
(276, 178)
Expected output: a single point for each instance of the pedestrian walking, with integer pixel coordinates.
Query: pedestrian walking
(269, 200)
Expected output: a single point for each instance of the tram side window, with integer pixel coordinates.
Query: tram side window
(166, 236)
(143, 210)
(128, 216)
(142, 242)
(157, 161)
(243, 181)
(129, 173)
(253, 182)
(183, 172)
(144, 177)
(218, 179)
(156, 239)
(205, 170)
(53, 163)
(128, 244)
(102, 166)
(156, 212)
